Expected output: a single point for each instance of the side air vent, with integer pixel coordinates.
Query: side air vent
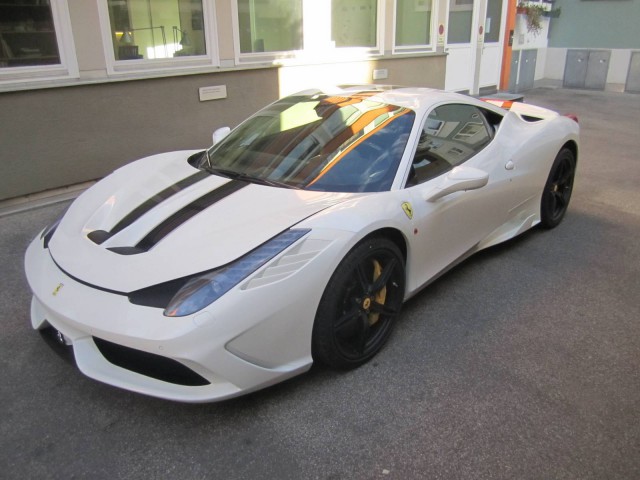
(530, 119)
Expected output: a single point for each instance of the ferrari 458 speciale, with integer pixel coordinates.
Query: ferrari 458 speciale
(202, 275)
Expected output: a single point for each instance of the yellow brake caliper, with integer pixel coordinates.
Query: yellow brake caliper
(381, 295)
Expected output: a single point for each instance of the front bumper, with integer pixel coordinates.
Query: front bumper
(256, 335)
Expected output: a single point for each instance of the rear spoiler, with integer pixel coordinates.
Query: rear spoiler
(528, 112)
(506, 104)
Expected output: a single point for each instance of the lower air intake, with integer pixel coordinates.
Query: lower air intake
(149, 364)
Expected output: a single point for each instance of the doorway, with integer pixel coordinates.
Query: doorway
(474, 42)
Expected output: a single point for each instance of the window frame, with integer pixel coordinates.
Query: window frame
(433, 29)
(68, 66)
(122, 67)
(309, 55)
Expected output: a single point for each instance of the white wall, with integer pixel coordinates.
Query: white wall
(554, 64)
(523, 39)
(619, 65)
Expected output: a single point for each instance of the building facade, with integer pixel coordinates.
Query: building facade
(89, 85)
(595, 44)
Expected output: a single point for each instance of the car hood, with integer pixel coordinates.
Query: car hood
(159, 219)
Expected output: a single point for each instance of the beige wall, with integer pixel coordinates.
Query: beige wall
(60, 136)
(423, 71)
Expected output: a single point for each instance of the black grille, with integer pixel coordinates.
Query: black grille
(149, 364)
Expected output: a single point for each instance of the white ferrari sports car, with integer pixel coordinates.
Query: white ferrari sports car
(202, 275)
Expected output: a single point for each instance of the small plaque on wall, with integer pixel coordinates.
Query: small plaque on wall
(215, 92)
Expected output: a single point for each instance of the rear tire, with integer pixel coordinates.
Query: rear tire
(359, 305)
(557, 191)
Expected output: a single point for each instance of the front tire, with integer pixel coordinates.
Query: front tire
(359, 305)
(557, 191)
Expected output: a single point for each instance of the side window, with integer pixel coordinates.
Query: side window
(451, 135)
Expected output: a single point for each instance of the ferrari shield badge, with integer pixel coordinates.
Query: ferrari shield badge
(57, 289)
(408, 210)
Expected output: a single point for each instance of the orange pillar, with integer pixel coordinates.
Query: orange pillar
(508, 41)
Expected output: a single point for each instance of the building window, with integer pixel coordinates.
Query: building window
(268, 29)
(35, 40)
(413, 23)
(353, 23)
(156, 29)
(27, 34)
(270, 25)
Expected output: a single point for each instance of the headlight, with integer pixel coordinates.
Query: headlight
(203, 290)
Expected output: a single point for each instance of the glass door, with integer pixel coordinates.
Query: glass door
(460, 44)
(474, 42)
(491, 60)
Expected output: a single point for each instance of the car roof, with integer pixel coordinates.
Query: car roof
(418, 99)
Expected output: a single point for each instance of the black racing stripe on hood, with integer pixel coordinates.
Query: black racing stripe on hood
(184, 214)
(158, 198)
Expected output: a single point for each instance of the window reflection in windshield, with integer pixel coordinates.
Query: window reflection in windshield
(319, 142)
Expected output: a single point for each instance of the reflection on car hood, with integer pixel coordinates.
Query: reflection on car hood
(159, 219)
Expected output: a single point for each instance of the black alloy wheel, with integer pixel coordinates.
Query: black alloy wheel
(359, 305)
(557, 190)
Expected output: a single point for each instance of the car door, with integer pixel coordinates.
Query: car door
(454, 136)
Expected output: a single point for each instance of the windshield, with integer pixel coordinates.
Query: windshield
(317, 142)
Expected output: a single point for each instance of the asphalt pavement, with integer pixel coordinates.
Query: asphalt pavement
(521, 363)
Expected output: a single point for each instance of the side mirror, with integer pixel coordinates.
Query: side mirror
(458, 179)
(219, 134)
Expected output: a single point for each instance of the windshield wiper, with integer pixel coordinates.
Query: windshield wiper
(247, 178)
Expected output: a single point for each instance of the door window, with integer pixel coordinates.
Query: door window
(493, 21)
(451, 135)
(460, 19)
